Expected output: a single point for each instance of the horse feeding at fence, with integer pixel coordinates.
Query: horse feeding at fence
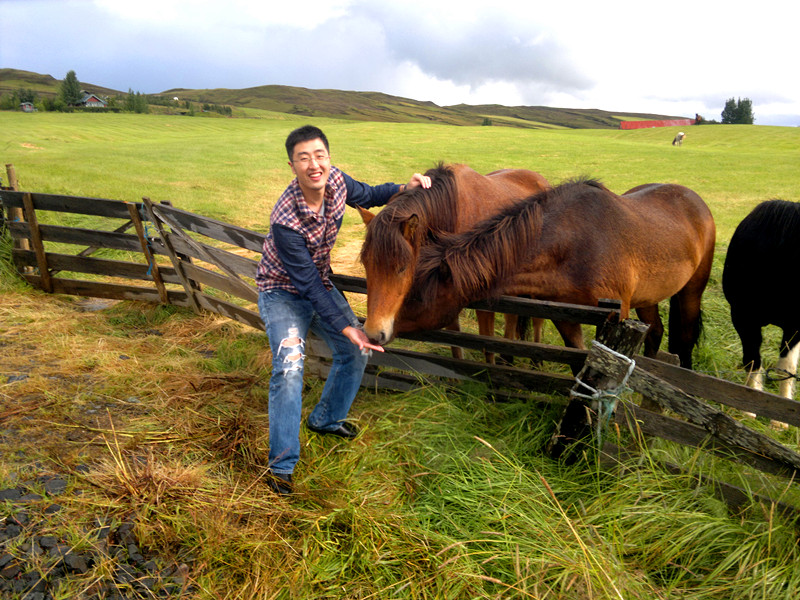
(756, 281)
(575, 243)
(458, 198)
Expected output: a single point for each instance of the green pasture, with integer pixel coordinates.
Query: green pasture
(234, 169)
(445, 494)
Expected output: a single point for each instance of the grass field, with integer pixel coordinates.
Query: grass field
(235, 168)
(444, 495)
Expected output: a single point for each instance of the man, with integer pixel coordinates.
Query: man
(296, 294)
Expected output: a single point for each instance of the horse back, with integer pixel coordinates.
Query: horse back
(480, 196)
(526, 181)
(675, 205)
(669, 195)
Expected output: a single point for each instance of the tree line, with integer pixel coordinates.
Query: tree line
(70, 96)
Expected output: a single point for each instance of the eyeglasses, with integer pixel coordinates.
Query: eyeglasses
(305, 160)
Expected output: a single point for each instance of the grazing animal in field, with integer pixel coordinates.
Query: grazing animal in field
(575, 243)
(762, 258)
(458, 198)
(678, 139)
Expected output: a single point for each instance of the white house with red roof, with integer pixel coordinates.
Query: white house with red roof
(92, 101)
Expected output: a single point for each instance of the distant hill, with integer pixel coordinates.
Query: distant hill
(360, 106)
(46, 85)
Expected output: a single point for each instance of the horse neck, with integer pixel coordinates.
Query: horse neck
(480, 260)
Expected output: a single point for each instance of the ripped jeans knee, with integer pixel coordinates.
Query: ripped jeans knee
(290, 353)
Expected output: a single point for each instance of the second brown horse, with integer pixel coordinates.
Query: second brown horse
(577, 243)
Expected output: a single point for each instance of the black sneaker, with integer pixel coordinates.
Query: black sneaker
(280, 483)
(343, 430)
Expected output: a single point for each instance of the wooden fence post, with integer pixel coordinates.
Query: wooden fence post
(38, 245)
(173, 256)
(15, 213)
(625, 338)
(151, 261)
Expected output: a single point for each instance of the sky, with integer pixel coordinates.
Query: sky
(677, 58)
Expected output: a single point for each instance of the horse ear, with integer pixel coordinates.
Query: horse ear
(366, 216)
(410, 227)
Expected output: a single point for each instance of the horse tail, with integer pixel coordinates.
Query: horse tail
(676, 341)
(523, 327)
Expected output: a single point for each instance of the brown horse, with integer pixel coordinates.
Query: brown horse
(577, 243)
(458, 198)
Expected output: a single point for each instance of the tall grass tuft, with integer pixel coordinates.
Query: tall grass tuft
(9, 279)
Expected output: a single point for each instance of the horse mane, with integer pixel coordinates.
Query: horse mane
(435, 207)
(481, 259)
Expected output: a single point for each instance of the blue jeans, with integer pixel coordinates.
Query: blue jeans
(287, 320)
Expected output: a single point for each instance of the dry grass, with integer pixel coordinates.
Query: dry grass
(159, 418)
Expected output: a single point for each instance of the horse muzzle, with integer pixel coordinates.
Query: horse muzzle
(381, 335)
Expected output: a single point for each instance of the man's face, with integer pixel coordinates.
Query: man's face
(311, 165)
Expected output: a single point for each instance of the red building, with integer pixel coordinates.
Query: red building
(648, 124)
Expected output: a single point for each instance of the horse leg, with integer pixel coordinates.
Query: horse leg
(524, 325)
(684, 311)
(750, 334)
(510, 332)
(684, 321)
(787, 366)
(538, 326)
(789, 355)
(652, 341)
(486, 327)
(456, 351)
(572, 334)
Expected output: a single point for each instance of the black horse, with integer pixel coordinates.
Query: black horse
(762, 257)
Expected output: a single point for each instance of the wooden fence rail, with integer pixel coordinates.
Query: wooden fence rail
(194, 261)
(154, 252)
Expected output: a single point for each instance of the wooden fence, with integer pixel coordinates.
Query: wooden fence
(154, 252)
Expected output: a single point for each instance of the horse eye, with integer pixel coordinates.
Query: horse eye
(401, 269)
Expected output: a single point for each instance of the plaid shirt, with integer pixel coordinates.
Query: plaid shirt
(303, 240)
(319, 231)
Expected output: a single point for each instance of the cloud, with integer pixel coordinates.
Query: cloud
(620, 55)
(486, 47)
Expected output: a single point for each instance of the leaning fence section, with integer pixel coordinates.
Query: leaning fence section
(151, 252)
(154, 252)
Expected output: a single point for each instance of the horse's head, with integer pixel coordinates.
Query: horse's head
(432, 301)
(389, 255)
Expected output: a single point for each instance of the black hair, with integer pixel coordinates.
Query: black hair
(305, 133)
